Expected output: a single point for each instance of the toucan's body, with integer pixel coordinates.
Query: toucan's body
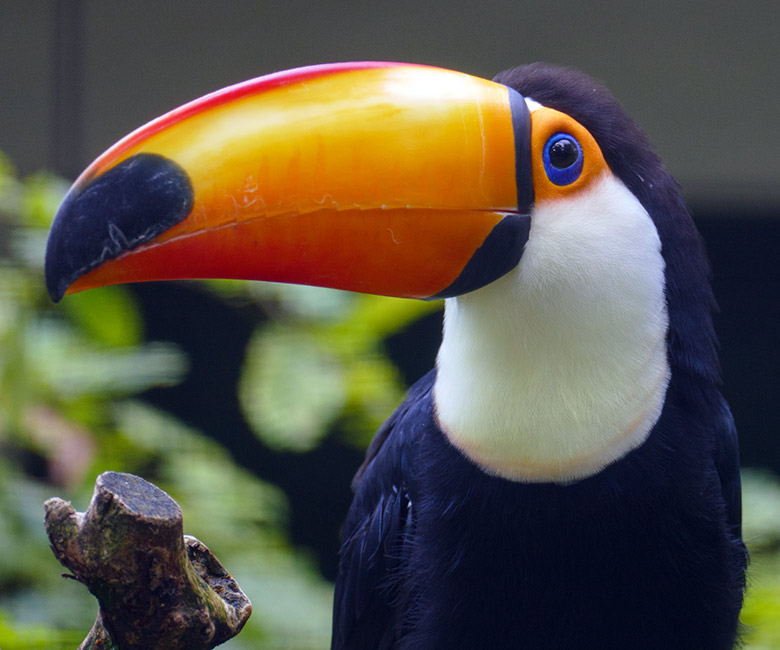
(567, 476)
(442, 556)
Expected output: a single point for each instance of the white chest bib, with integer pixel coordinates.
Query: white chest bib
(559, 367)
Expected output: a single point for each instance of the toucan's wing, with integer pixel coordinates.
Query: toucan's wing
(727, 465)
(365, 610)
(369, 592)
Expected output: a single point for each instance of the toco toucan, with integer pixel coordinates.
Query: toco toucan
(567, 476)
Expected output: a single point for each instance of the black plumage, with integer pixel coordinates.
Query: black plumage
(646, 553)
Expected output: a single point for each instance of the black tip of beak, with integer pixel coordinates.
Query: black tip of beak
(128, 205)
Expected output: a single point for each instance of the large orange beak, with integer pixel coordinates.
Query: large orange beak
(383, 178)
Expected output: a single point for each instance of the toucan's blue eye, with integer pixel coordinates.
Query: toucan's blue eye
(562, 157)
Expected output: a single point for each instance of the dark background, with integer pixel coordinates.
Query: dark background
(702, 79)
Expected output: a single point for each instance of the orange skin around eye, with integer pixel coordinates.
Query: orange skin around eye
(546, 122)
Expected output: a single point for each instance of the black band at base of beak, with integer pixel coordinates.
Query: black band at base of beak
(521, 124)
(499, 254)
(503, 247)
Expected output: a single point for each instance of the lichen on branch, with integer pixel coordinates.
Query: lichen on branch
(157, 588)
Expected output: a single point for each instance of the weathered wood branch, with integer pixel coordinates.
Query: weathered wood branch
(156, 587)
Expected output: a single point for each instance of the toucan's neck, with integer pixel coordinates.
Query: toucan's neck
(560, 367)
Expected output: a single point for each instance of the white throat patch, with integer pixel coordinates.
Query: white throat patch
(559, 368)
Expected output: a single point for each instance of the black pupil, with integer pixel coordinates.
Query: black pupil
(563, 153)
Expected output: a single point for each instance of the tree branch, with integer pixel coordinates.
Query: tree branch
(156, 588)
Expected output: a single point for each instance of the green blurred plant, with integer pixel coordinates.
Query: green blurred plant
(69, 376)
(761, 529)
(319, 359)
(60, 372)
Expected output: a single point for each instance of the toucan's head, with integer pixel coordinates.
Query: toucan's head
(386, 178)
(577, 281)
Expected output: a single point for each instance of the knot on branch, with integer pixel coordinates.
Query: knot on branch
(156, 587)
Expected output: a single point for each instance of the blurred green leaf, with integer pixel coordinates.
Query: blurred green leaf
(35, 637)
(291, 388)
(372, 319)
(69, 365)
(42, 195)
(34, 597)
(108, 315)
(761, 613)
(761, 506)
(761, 530)
(303, 302)
(10, 188)
(242, 519)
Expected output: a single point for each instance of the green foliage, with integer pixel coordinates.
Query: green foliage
(36, 637)
(70, 376)
(761, 504)
(243, 521)
(107, 316)
(59, 377)
(321, 358)
(291, 386)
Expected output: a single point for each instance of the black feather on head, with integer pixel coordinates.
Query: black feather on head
(630, 156)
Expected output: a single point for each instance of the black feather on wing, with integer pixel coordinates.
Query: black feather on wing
(727, 465)
(369, 587)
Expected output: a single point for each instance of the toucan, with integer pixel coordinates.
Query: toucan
(567, 476)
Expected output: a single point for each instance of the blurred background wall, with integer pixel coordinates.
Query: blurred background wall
(701, 78)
